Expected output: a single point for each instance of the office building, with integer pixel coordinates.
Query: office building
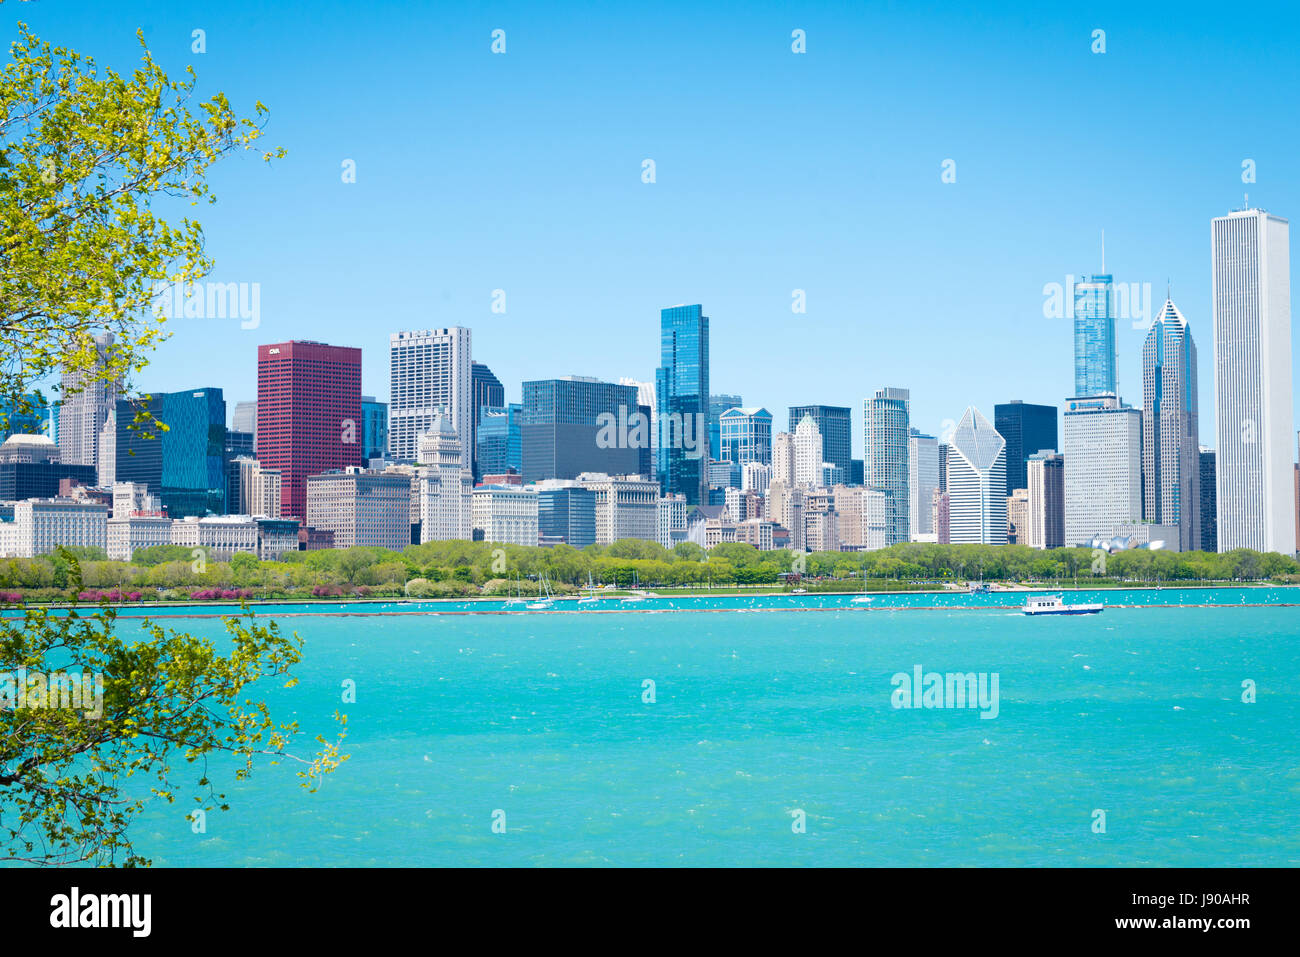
(308, 414)
(1094, 337)
(444, 485)
(746, 435)
(85, 401)
(1251, 293)
(923, 479)
(576, 424)
(219, 536)
(500, 440)
(1026, 428)
(977, 483)
(682, 402)
(244, 419)
(807, 453)
(719, 404)
(1171, 464)
(1209, 511)
(566, 513)
(835, 427)
(505, 514)
(30, 467)
(1103, 467)
(360, 507)
(41, 525)
(374, 429)
(183, 464)
(886, 425)
(430, 376)
(1045, 485)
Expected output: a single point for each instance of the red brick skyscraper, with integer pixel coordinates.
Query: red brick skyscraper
(308, 414)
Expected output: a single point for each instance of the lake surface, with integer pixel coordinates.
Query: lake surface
(540, 720)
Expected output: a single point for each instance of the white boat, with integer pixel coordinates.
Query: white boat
(862, 600)
(637, 595)
(798, 591)
(543, 602)
(979, 588)
(516, 599)
(589, 598)
(1055, 605)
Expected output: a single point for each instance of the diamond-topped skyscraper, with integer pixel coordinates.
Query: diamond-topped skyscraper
(682, 402)
(1170, 443)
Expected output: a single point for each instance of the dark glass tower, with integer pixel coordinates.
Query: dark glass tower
(185, 464)
(834, 423)
(1027, 429)
(682, 402)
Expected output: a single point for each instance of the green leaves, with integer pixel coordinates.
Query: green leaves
(87, 154)
(63, 797)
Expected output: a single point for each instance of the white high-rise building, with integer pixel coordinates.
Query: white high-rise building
(670, 516)
(445, 486)
(807, 453)
(506, 514)
(783, 458)
(923, 479)
(430, 376)
(1251, 292)
(1102, 443)
(755, 477)
(977, 483)
(87, 402)
(1171, 459)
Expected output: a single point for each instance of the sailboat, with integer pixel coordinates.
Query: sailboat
(637, 594)
(864, 598)
(590, 597)
(543, 602)
(517, 598)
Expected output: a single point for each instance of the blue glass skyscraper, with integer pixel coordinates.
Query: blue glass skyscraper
(682, 401)
(183, 465)
(1094, 337)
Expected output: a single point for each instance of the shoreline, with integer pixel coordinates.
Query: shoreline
(568, 605)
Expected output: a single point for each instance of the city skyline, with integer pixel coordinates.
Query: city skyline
(577, 242)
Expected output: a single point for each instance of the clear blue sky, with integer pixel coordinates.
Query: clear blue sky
(775, 172)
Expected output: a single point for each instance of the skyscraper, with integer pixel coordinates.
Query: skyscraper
(886, 423)
(308, 414)
(183, 465)
(487, 392)
(1171, 464)
(430, 376)
(977, 482)
(682, 402)
(1027, 429)
(577, 424)
(1102, 442)
(1251, 292)
(374, 431)
(923, 479)
(1045, 482)
(807, 453)
(719, 404)
(834, 424)
(84, 405)
(444, 485)
(746, 436)
(1094, 337)
(244, 418)
(1209, 488)
(500, 439)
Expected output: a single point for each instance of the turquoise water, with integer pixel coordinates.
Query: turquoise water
(1137, 712)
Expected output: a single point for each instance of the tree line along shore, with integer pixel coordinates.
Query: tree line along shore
(456, 569)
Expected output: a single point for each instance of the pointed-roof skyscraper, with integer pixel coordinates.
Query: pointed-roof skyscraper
(1170, 432)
